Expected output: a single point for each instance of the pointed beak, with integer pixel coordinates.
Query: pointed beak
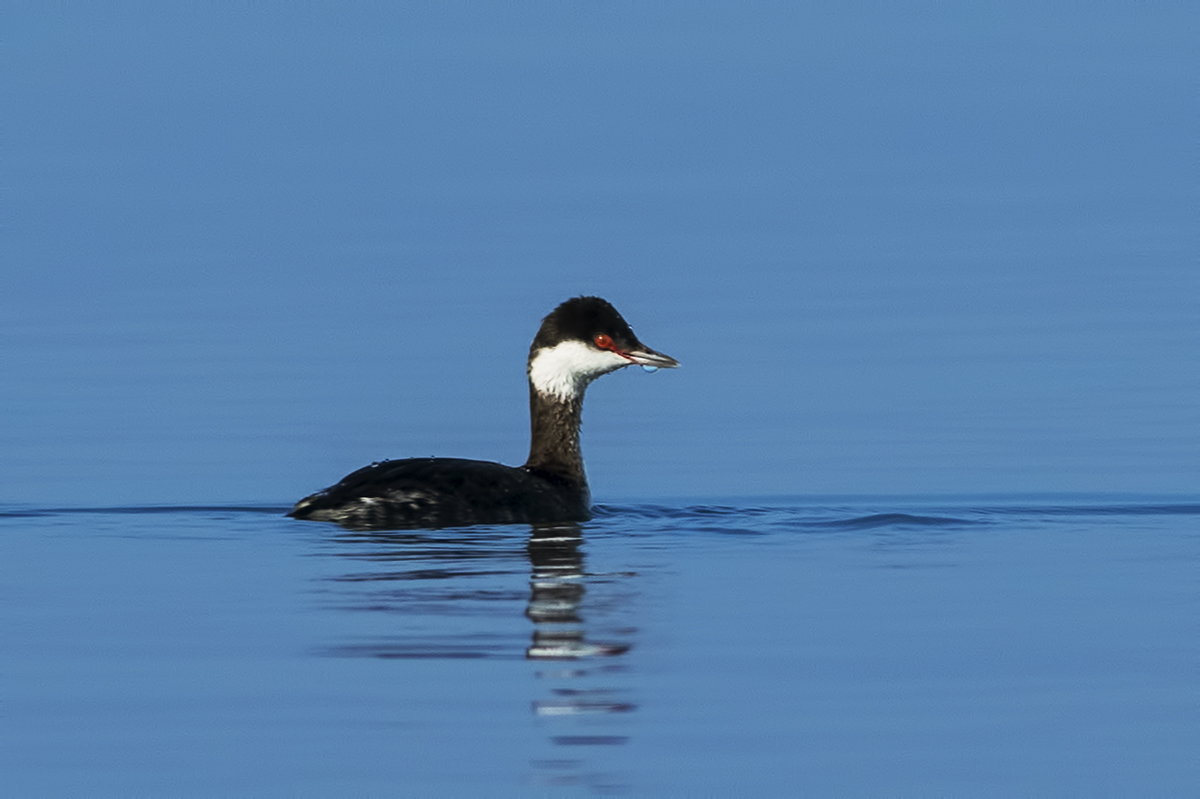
(644, 356)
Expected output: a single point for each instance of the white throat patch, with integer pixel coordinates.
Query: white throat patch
(564, 370)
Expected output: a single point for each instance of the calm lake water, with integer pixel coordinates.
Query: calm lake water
(1007, 646)
(931, 272)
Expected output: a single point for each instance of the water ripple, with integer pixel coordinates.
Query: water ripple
(861, 513)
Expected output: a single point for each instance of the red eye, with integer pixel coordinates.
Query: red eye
(603, 342)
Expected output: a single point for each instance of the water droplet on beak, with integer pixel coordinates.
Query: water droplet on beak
(650, 369)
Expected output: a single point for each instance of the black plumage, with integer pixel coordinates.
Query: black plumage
(580, 340)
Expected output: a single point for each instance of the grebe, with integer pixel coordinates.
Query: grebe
(580, 340)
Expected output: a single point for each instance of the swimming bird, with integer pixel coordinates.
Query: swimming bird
(580, 340)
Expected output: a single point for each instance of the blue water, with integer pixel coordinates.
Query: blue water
(898, 249)
(1012, 646)
(932, 274)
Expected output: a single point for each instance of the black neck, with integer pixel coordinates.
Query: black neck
(554, 436)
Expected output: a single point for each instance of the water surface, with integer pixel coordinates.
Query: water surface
(898, 249)
(848, 646)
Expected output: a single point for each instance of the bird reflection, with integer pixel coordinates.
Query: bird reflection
(556, 590)
(468, 573)
(557, 585)
(448, 594)
(444, 576)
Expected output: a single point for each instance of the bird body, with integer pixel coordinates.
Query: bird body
(582, 339)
